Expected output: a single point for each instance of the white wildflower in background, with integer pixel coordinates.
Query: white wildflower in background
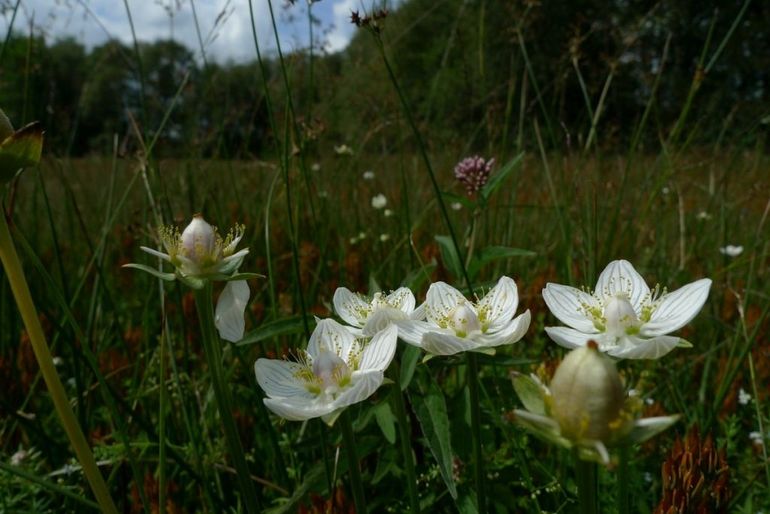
(456, 206)
(585, 406)
(379, 201)
(336, 370)
(622, 314)
(343, 150)
(731, 250)
(756, 438)
(368, 175)
(384, 237)
(370, 315)
(703, 216)
(387, 213)
(315, 167)
(743, 397)
(455, 324)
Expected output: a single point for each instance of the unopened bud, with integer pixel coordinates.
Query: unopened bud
(198, 240)
(587, 394)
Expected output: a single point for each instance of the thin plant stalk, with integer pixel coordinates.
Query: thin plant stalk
(162, 425)
(211, 342)
(624, 475)
(585, 475)
(18, 283)
(353, 472)
(405, 441)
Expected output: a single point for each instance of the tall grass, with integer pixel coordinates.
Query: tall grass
(133, 362)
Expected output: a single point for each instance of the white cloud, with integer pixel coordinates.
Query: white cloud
(92, 22)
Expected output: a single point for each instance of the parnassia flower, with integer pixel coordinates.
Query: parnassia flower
(731, 250)
(199, 252)
(379, 201)
(455, 324)
(585, 406)
(625, 318)
(367, 316)
(337, 370)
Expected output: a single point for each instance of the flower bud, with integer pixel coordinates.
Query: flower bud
(587, 394)
(198, 240)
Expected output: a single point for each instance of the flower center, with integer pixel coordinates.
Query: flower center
(619, 315)
(331, 372)
(464, 321)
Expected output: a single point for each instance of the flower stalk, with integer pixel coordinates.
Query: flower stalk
(585, 475)
(405, 440)
(203, 303)
(355, 474)
(15, 276)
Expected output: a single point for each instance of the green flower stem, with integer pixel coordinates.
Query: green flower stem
(478, 460)
(355, 474)
(211, 342)
(15, 275)
(624, 476)
(585, 476)
(162, 426)
(405, 440)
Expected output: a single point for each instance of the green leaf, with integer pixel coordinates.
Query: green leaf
(530, 393)
(497, 179)
(430, 408)
(152, 271)
(449, 256)
(279, 327)
(386, 421)
(19, 150)
(409, 361)
(416, 278)
(684, 343)
(496, 253)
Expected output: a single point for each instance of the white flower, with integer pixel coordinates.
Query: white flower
(368, 175)
(626, 319)
(454, 324)
(199, 252)
(369, 316)
(231, 306)
(343, 149)
(387, 213)
(731, 250)
(585, 406)
(756, 438)
(336, 371)
(743, 397)
(379, 201)
(456, 206)
(703, 216)
(315, 166)
(384, 237)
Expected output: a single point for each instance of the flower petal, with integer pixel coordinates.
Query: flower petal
(621, 277)
(646, 428)
(403, 299)
(299, 409)
(440, 343)
(568, 337)
(412, 331)
(419, 313)
(500, 303)
(381, 318)
(230, 265)
(509, 334)
(278, 378)
(231, 306)
(351, 307)
(441, 301)
(677, 308)
(379, 351)
(363, 385)
(568, 305)
(632, 347)
(334, 337)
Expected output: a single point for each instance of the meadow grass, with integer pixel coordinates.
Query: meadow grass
(130, 353)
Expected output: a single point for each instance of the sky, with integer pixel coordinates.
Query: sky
(225, 25)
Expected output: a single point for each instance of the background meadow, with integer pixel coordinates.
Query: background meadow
(618, 130)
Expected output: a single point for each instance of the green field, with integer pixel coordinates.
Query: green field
(668, 193)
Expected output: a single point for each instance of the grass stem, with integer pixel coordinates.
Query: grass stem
(355, 474)
(203, 303)
(15, 275)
